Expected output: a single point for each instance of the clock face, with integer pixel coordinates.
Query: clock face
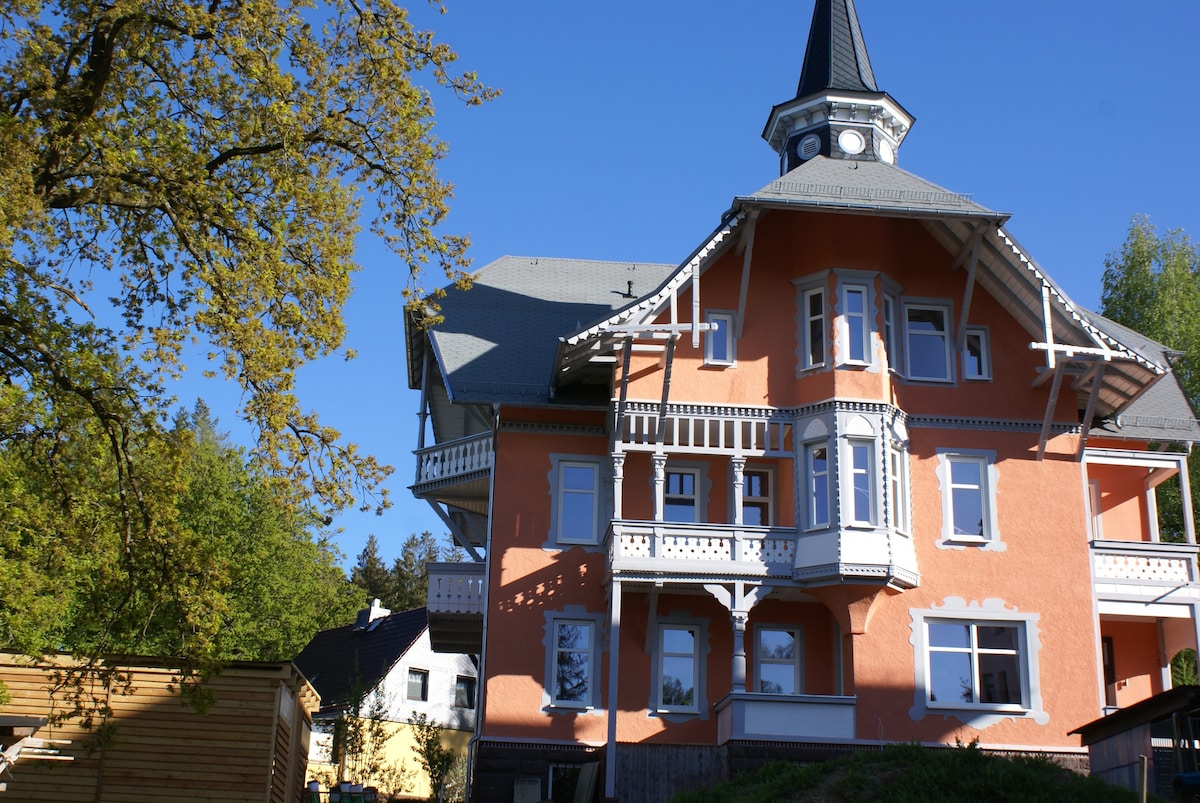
(851, 142)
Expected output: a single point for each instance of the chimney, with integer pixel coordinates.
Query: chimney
(368, 615)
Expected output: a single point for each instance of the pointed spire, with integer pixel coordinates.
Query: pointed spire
(836, 55)
(839, 111)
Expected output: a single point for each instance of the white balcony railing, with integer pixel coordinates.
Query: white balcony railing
(760, 551)
(706, 429)
(456, 588)
(455, 458)
(1144, 562)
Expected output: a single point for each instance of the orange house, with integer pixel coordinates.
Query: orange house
(856, 470)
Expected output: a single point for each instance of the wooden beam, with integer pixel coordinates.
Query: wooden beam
(960, 337)
(744, 291)
(666, 392)
(1098, 379)
(1046, 420)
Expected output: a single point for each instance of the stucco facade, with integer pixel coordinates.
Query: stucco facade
(856, 470)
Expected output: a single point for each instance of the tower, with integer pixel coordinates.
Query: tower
(838, 111)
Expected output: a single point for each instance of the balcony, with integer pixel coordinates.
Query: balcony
(785, 718)
(706, 550)
(1142, 577)
(455, 606)
(456, 472)
(656, 549)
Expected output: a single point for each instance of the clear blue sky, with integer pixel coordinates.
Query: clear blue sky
(625, 129)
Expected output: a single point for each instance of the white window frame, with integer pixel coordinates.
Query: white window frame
(810, 491)
(980, 334)
(987, 489)
(697, 495)
(989, 612)
(807, 328)
(767, 501)
(946, 335)
(553, 650)
(559, 466)
(869, 474)
(724, 334)
(796, 662)
(856, 322)
(898, 502)
(696, 656)
(891, 332)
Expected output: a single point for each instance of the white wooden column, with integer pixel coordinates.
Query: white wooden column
(739, 479)
(614, 662)
(739, 648)
(618, 476)
(660, 482)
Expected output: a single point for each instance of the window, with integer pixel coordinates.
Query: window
(975, 664)
(977, 357)
(891, 342)
(777, 660)
(927, 342)
(862, 481)
(578, 492)
(814, 328)
(678, 668)
(857, 323)
(756, 497)
(898, 489)
(977, 660)
(816, 463)
(968, 496)
(572, 665)
(718, 341)
(681, 500)
(418, 685)
(464, 692)
(968, 484)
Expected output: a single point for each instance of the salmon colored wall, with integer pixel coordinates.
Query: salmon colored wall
(1138, 659)
(526, 582)
(1044, 568)
(1124, 513)
(820, 665)
(788, 247)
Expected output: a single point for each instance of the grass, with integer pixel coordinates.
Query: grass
(909, 773)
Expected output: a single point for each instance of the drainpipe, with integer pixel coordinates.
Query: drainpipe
(481, 688)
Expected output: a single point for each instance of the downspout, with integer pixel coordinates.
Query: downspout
(481, 703)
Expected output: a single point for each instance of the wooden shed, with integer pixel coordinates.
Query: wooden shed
(251, 744)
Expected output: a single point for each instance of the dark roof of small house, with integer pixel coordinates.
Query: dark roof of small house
(836, 54)
(1153, 709)
(1162, 412)
(497, 341)
(866, 187)
(348, 659)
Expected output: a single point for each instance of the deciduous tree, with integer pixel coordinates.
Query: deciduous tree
(181, 171)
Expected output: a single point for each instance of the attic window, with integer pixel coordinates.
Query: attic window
(418, 685)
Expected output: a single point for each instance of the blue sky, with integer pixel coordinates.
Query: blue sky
(625, 129)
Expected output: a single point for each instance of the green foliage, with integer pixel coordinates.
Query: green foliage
(435, 758)
(193, 172)
(225, 572)
(360, 739)
(1183, 668)
(1152, 285)
(909, 773)
(406, 585)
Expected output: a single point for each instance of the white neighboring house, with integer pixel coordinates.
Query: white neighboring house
(388, 654)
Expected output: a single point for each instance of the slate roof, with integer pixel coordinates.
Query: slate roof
(340, 661)
(866, 187)
(498, 339)
(836, 54)
(1162, 412)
